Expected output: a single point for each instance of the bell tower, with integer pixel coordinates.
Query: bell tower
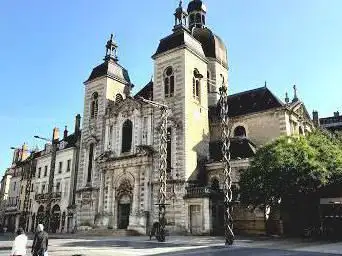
(108, 82)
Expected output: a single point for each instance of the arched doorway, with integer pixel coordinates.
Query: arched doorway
(55, 218)
(124, 209)
(40, 215)
(124, 195)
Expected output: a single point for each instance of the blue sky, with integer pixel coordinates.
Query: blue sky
(48, 48)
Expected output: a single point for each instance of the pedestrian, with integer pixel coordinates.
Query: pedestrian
(19, 244)
(40, 242)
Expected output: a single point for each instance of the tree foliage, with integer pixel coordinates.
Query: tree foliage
(291, 166)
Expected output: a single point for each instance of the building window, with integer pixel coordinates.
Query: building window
(118, 98)
(240, 131)
(169, 82)
(43, 189)
(215, 184)
(198, 18)
(14, 186)
(60, 167)
(127, 131)
(208, 82)
(110, 134)
(94, 107)
(68, 165)
(39, 171)
(196, 89)
(90, 161)
(192, 18)
(31, 187)
(58, 186)
(169, 149)
(45, 170)
(145, 131)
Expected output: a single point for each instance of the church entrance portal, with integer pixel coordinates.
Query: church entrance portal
(124, 209)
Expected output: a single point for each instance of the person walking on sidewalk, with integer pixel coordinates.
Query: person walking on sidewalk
(40, 242)
(19, 244)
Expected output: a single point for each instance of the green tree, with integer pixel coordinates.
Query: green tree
(291, 169)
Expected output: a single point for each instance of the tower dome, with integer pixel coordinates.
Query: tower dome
(197, 6)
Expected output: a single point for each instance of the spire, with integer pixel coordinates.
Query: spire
(111, 49)
(295, 98)
(287, 100)
(265, 84)
(180, 17)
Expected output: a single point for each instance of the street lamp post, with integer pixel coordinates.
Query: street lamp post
(227, 189)
(225, 138)
(162, 167)
(54, 145)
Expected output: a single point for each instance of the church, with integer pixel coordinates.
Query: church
(118, 177)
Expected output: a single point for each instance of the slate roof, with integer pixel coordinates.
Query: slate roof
(171, 42)
(146, 92)
(239, 148)
(247, 102)
(103, 70)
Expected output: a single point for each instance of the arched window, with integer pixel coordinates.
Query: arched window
(192, 18)
(203, 19)
(240, 131)
(215, 184)
(196, 89)
(127, 129)
(208, 82)
(90, 162)
(198, 18)
(94, 107)
(118, 98)
(169, 82)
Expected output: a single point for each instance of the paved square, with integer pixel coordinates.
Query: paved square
(132, 246)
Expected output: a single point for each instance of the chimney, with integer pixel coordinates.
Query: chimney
(77, 124)
(65, 134)
(336, 114)
(24, 152)
(55, 135)
(315, 118)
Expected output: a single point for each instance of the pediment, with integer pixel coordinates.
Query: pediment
(301, 110)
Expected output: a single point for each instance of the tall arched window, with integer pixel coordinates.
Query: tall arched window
(169, 82)
(208, 82)
(127, 132)
(118, 98)
(215, 184)
(192, 18)
(90, 162)
(196, 89)
(240, 131)
(198, 18)
(94, 107)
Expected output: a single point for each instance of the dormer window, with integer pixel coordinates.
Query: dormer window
(169, 82)
(94, 107)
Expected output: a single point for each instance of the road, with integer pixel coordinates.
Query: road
(179, 246)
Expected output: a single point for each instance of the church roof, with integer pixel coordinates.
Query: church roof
(212, 45)
(180, 37)
(240, 148)
(247, 102)
(115, 71)
(146, 92)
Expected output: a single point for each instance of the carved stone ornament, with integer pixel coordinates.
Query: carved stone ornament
(125, 188)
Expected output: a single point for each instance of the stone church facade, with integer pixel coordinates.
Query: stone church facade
(118, 178)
